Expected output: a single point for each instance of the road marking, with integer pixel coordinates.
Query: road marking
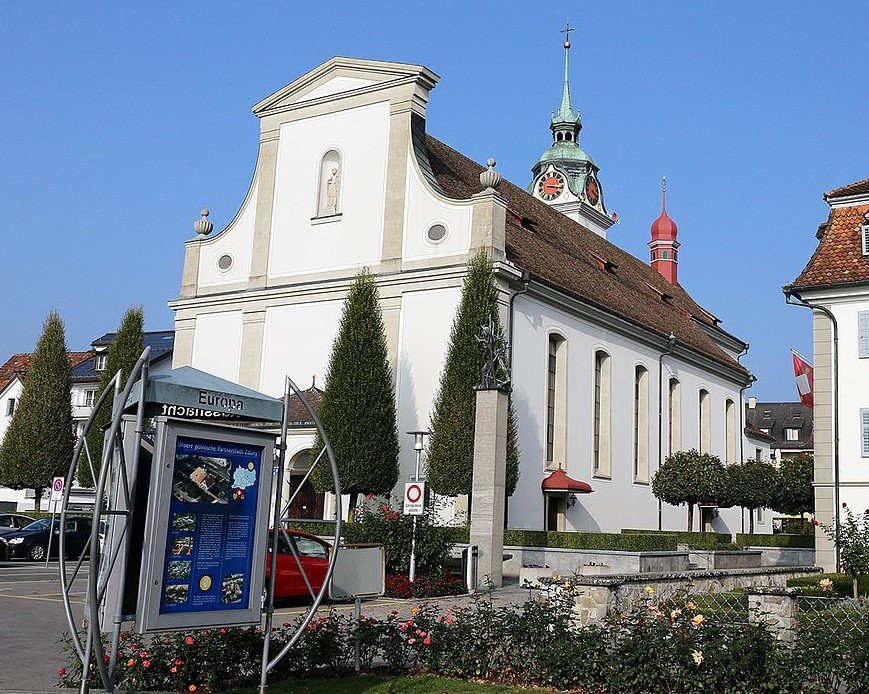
(39, 598)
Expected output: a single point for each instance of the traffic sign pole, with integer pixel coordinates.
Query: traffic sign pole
(56, 495)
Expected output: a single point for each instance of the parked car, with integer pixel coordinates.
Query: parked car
(313, 556)
(31, 541)
(10, 522)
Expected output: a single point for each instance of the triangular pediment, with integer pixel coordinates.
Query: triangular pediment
(340, 77)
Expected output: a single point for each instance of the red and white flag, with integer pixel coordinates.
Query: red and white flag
(803, 372)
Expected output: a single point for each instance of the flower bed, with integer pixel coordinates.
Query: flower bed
(674, 645)
(399, 586)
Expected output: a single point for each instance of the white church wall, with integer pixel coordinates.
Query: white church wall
(299, 242)
(217, 343)
(298, 342)
(618, 502)
(11, 392)
(426, 319)
(236, 241)
(424, 208)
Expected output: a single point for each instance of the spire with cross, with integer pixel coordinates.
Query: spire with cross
(565, 110)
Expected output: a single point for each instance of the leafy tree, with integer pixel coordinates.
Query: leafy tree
(450, 458)
(122, 356)
(852, 541)
(39, 441)
(358, 404)
(689, 477)
(751, 485)
(795, 494)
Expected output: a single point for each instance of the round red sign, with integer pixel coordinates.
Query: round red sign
(414, 493)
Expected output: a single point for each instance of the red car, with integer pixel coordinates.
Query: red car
(314, 557)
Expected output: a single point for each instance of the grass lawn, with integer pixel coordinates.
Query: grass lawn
(385, 684)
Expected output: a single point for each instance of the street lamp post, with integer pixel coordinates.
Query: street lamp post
(418, 437)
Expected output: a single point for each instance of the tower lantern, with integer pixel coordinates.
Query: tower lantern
(664, 247)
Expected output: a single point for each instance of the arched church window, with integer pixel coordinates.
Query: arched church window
(329, 190)
(641, 424)
(665, 255)
(705, 422)
(602, 411)
(556, 401)
(730, 431)
(675, 416)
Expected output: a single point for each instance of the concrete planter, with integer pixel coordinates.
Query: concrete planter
(533, 574)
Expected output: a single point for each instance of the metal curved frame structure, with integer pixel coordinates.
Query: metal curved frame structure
(88, 641)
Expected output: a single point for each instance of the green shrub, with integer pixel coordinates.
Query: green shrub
(798, 541)
(692, 539)
(843, 584)
(579, 540)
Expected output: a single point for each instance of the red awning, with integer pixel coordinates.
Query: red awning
(560, 483)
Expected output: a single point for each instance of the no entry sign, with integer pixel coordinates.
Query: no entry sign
(57, 489)
(414, 498)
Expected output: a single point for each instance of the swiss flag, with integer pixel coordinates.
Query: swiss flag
(803, 372)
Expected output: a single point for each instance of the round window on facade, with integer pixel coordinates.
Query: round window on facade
(436, 233)
(224, 262)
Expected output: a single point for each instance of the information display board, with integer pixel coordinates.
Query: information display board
(205, 536)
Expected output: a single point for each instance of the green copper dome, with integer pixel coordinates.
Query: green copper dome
(566, 151)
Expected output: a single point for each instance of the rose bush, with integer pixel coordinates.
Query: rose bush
(653, 646)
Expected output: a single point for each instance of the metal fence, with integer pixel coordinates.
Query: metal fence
(844, 616)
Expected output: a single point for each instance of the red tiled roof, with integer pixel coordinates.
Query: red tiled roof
(856, 188)
(839, 258)
(562, 253)
(298, 415)
(18, 364)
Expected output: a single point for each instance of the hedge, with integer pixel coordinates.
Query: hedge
(843, 584)
(638, 542)
(799, 541)
(693, 540)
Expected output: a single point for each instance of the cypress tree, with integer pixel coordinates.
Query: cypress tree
(358, 404)
(39, 441)
(450, 458)
(122, 356)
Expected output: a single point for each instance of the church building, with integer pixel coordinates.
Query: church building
(614, 365)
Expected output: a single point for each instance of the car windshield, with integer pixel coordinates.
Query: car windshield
(41, 524)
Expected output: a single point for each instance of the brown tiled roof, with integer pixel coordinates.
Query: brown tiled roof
(298, 415)
(18, 364)
(562, 253)
(839, 258)
(856, 188)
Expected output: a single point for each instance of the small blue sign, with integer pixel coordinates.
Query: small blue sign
(211, 526)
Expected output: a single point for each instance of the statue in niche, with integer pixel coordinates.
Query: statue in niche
(333, 189)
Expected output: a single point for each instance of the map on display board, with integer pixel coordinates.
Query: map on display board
(211, 526)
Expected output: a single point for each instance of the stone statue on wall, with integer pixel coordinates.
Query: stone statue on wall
(495, 372)
(333, 190)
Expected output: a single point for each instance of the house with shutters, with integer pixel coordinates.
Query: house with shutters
(835, 286)
(614, 365)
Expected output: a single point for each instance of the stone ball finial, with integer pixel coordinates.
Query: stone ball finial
(202, 226)
(490, 179)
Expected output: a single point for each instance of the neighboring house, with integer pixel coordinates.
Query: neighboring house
(835, 285)
(788, 424)
(86, 371)
(347, 178)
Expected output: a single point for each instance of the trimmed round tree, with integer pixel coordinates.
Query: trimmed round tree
(796, 495)
(358, 404)
(752, 485)
(450, 455)
(39, 441)
(689, 477)
(122, 356)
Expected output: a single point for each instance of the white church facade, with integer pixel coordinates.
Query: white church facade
(613, 364)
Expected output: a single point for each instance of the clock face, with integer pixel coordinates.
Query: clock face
(550, 185)
(592, 190)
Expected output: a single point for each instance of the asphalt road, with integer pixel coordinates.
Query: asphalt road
(32, 621)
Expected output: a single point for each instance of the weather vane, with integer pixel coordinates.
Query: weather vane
(566, 31)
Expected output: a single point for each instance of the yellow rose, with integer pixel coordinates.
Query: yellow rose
(698, 620)
(698, 657)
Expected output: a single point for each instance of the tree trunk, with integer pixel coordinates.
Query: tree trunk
(37, 498)
(855, 586)
(690, 517)
(751, 521)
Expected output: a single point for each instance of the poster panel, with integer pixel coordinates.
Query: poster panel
(206, 528)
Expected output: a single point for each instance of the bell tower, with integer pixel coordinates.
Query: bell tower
(664, 247)
(565, 176)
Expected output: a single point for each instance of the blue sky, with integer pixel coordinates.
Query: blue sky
(119, 121)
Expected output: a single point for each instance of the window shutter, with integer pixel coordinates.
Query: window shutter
(865, 238)
(864, 432)
(863, 334)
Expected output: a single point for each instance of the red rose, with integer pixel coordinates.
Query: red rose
(189, 641)
(146, 663)
(61, 672)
